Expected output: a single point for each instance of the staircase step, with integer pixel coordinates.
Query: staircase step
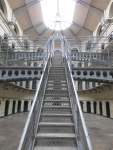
(55, 100)
(56, 95)
(56, 129)
(56, 139)
(56, 115)
(56, 110)
(63, 124)
(57, 107)
(55, 148)
(56, 135)
(56, 103)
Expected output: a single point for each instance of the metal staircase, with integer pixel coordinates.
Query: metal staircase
(55, 121)
(56, 128)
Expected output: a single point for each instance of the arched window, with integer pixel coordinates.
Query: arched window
(3, 7)
(99, 30)
(14, 27)
(111, 11)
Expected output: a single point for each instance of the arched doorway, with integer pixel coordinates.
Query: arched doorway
(25, 106)
(107, 109)
(100, 108)
(6, 107)
(57, 58)
(88, 107)
(95, 107)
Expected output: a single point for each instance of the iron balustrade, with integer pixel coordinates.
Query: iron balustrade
(83, 139)
(30, 130)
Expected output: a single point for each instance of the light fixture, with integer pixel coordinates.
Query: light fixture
(58, 14)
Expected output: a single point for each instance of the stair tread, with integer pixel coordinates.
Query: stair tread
(65, 101)
(56, 135)
(55, 148)
(54, 106)
(56, 124)
(56, 115)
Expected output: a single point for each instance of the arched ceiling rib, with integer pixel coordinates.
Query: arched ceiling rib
(87, 15)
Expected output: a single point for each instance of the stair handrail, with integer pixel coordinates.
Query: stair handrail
(30, 130)
(82, 136)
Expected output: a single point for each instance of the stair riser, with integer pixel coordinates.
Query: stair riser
(56, 103)
(54, 129)
(56, 119)
(55, 142)
(58, 111)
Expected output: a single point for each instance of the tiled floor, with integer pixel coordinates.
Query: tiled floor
(10, 131)
(100, 130)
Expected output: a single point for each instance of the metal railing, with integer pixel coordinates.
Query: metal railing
(83, 139)
(30, 130)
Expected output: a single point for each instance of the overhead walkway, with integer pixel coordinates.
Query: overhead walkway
(93, 57)
(100, 58)
(55, 121)
(97, 74)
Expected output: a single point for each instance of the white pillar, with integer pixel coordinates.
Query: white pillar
(24, 84)
(85, 106)
(92, 107)
(76, 85)
(10, 107)
(18, 83)
(111, 109)
(29, 105)
(98, 108)
(104, 108)
(2, 108)
(22, 105)
(83, 85)
(30, 84)
(90, 85)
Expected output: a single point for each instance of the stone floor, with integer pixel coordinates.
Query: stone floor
(10, 131)
(100, 130)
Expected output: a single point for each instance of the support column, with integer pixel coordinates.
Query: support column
(16, 106)
(76, 85)
(30, 84)
(92, 107)
(24, 84)
(111, 109)
(83, 85)
(10, 107)
(22, 105)
(98, 108)
(29, 105)
(85, 107)
(104, 108)
(2, 107)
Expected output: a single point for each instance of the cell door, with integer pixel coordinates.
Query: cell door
(6, 108)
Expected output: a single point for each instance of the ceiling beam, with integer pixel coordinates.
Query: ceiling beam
(82, 27)
(75, 35)
(84, 3)
(31, 27)
(25, 5)
(40, 34)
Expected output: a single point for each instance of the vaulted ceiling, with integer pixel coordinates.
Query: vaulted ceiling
(87, 15)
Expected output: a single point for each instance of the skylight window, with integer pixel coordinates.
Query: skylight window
(58, 14)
